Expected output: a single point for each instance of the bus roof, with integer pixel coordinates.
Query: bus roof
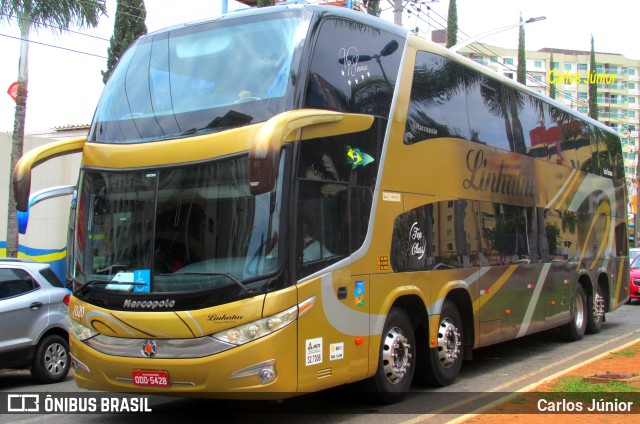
(397, 30)
(319, 9)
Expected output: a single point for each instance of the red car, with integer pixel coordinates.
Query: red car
(634, 271)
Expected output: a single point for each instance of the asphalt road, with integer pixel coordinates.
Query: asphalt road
(494, 372)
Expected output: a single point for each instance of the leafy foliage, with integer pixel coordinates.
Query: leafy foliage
(128, 26)
(56, 15)
(452, 24)
(593, 88)
(522, 60)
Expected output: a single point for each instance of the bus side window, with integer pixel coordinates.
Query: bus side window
(514, 234)
(438, 100)
(353, 68)
(488, 115)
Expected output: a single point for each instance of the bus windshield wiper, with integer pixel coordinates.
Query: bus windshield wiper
(237, 282)
(105, 282)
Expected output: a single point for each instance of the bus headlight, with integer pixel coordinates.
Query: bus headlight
(80, 331)
(254, 330)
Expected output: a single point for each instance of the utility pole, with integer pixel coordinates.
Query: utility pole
(397, 11)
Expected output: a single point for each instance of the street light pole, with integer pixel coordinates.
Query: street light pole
(470, 40)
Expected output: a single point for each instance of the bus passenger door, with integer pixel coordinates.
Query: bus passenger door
(333, 334)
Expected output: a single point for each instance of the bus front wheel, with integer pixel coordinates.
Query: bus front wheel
(396, 360)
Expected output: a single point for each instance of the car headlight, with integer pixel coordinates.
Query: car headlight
(80, 331)
(254, 330)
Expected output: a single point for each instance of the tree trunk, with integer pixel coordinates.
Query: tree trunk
(17, 144)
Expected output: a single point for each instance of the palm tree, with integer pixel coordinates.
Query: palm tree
(57, 15)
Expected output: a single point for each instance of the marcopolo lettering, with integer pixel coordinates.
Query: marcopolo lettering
(148, 304)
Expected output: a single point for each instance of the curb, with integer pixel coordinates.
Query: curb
(532, 386)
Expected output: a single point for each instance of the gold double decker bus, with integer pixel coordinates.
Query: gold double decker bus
(292, 198)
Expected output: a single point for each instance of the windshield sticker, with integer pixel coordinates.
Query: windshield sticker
(142, 280)
(357, 158)
(314, 351)
(354, 72)
(358, 293)
(336, 351)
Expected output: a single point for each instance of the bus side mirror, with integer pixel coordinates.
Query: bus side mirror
(264, 151)
(39, 196)
(33, 158)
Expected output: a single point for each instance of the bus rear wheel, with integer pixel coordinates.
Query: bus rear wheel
(595, 317)
(574, 330)
(442, 364)
(396, 360)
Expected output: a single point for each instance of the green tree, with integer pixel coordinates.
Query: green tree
(452, 24)
(522, 60)
(373, 7)
(265, 3)
(552, 86)
(56, 15)
(593, 87)
(127, 27)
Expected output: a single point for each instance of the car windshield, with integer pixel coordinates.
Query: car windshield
(635, 262)
(633, 253)
(176, 230)
(201, 78)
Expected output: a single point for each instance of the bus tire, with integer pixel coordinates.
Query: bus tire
(396, 359)
(595, 317)
(444, 362)
(575, 329)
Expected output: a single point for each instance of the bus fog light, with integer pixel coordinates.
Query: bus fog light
(266, 375)
(265, 371)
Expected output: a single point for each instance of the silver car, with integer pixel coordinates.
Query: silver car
(33, 320)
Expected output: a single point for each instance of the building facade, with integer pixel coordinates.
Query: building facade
(45, 239)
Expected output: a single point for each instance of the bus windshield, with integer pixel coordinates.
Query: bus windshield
(201, 78)
(176, 230)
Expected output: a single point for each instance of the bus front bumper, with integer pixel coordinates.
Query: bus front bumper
(263, 369)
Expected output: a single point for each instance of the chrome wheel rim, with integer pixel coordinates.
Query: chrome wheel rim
(448, 343)
(395, 355)
(579, 314)
(598, 306)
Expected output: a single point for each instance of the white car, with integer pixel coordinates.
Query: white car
(33, 320)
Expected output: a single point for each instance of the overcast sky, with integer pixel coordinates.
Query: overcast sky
(64, 85)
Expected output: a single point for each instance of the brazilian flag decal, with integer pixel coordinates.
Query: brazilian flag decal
(357, 158)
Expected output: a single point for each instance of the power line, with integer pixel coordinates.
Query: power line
(51, 45)
(45, 25)
(565, 94)
(543, 84)
(531, 78)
